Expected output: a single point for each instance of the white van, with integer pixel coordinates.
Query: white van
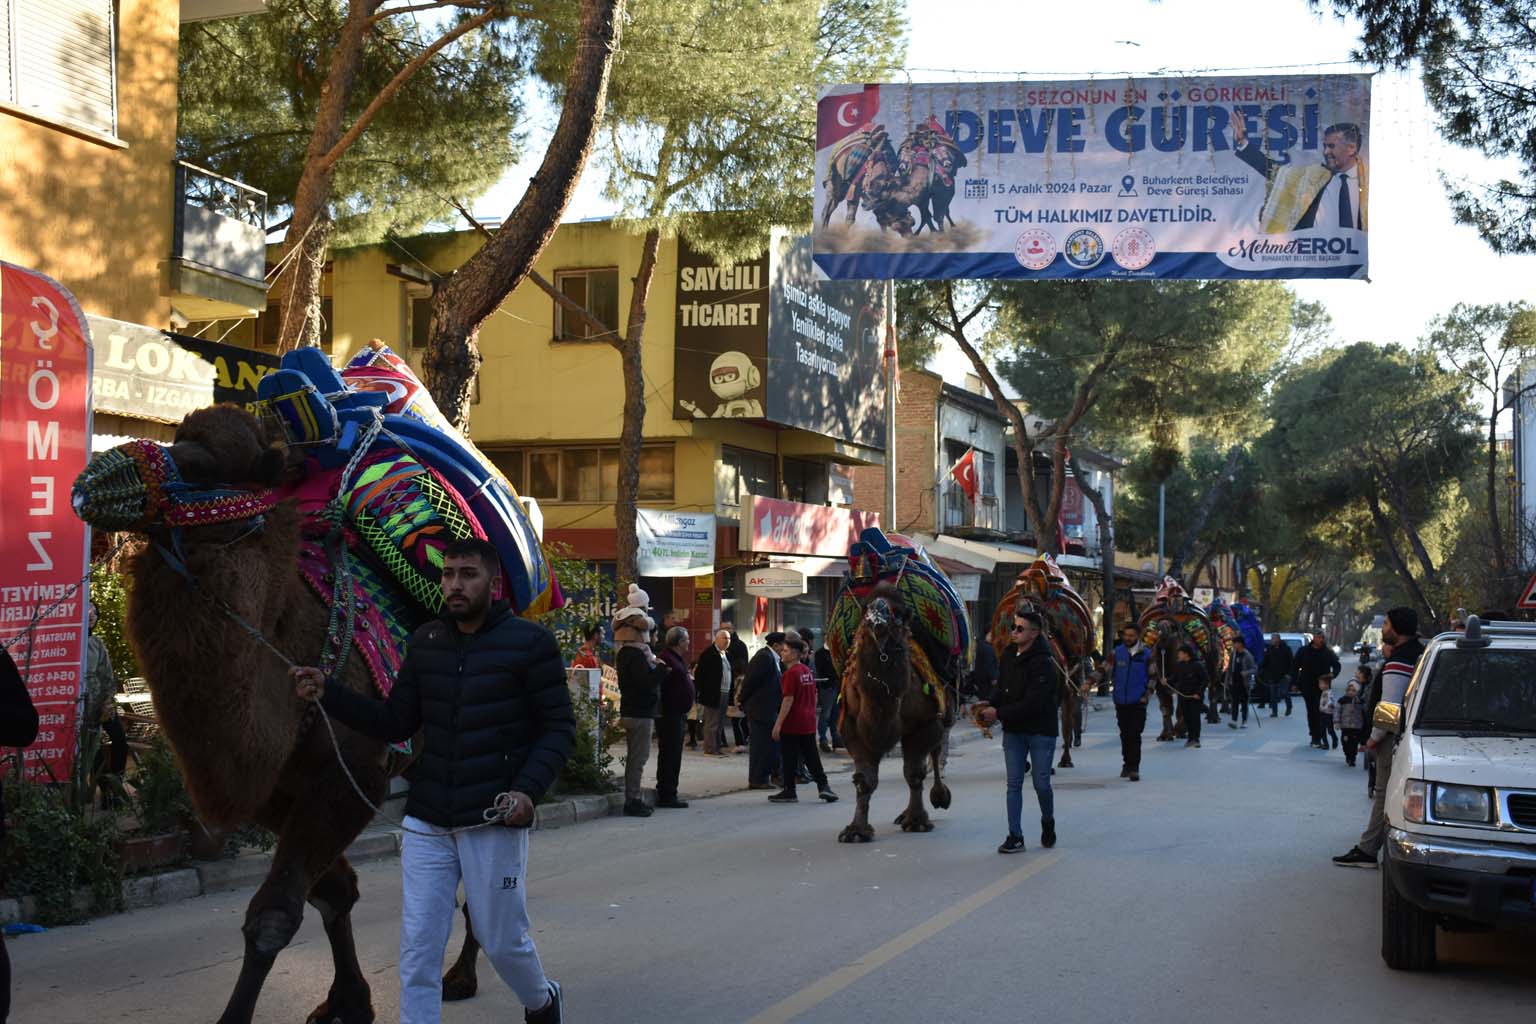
(1461, 800)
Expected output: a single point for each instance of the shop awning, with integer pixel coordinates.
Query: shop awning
(987, 555)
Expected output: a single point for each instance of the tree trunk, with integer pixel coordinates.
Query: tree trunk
(1399, 506)
(1203, 513)
(465, 300)
(309, 229)
(1395, 556)
(1106, 527)
(1023, 444)
(1266, 590)
(632, 435)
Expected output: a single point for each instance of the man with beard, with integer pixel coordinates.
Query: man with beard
(488, 691)
(1400, 633)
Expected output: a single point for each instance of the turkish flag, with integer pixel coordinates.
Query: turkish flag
(841, 114)
(964, 473)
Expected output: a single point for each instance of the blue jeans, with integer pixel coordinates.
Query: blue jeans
(1038, 751)
(826, 724)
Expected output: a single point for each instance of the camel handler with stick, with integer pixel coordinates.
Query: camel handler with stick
(488, 691)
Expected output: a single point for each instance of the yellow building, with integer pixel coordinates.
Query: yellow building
(95, 198)
(549, 404)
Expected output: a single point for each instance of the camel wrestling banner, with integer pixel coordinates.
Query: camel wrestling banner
(1260, 176)
(45, 439)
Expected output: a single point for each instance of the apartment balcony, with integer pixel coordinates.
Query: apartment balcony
(218, 246)
(962, 513)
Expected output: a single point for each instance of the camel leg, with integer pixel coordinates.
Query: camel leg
(939, 794)
(461, 981)
(1165, 705)
(917, 748)
(1066, 733)
(334, 896)
(866, 779)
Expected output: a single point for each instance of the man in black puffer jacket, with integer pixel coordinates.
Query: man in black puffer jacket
(1025, 702)
(487, 689)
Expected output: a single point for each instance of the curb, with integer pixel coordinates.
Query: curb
(210, 877)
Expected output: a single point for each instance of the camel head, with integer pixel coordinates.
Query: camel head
(221, 468)
(885, 619)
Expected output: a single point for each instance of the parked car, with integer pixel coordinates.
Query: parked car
(1295, 641)
(1461, 799)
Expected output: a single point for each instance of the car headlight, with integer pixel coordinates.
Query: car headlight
(1462, 803)
(1413, 801)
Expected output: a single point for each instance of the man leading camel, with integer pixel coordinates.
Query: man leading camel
(489, 691)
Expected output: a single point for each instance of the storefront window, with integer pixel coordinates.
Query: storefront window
(744, 472)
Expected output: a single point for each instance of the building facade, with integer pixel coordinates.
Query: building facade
(95, 198)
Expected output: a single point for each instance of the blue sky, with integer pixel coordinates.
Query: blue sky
(1421, 261)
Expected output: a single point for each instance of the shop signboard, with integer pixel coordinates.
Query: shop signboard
(792, 528)
(967, 586)
(771, 339)
(158, 375)
(1250, 176)
(675, 543)
(45, 440)
(775, 582)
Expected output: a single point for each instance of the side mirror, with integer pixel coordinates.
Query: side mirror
(1388, 716)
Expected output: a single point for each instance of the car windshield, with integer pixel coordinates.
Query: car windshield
(1483, 690)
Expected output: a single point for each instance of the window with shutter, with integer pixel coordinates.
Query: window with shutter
(61, 60)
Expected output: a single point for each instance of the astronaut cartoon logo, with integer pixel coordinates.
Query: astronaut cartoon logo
(731, 377)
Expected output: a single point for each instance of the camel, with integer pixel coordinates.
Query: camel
(1172, 621)
(866, 157)
(885, 702)
(249, 750)
(1044, 588)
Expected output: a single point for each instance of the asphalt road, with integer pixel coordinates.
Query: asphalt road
(1202, 893)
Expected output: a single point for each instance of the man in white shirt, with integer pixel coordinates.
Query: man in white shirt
(1329, 196)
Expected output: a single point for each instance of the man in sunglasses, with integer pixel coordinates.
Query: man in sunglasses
(1025, 703)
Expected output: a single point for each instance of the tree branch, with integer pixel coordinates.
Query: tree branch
(402, 76)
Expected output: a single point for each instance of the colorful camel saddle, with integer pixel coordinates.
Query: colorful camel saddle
(1044, 588)
(936, 615)
(1172, 608)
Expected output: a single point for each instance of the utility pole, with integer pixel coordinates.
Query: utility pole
(1161, 494)
(889, 518)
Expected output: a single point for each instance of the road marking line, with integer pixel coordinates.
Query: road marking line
(818, 992)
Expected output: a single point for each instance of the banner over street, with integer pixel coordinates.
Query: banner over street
(1261, 176)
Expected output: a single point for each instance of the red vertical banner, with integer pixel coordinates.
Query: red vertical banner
(45, 440)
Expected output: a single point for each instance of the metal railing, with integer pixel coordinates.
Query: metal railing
(217, 194)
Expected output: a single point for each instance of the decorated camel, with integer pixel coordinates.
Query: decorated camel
(1044, 588)
(261, 554)
(865, 170)
(1173, 621)
(899, 639)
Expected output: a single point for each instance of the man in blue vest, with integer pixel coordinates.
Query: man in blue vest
(1128, 669)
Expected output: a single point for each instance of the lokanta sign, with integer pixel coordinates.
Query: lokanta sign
(1252, 177)
(45, 439)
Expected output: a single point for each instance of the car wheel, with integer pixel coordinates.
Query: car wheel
(1407, 932)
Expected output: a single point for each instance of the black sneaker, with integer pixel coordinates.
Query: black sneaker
(826, 794)
(637, 809)
(1013, 844)
(553, 1013)
(1134, 776)
(1048, 832)
(1124, 772)
(673, 803)
(783, 796)
(1355, 858)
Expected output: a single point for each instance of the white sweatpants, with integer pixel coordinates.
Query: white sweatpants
(492, 863)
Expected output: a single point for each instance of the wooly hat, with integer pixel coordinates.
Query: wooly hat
(633, 615)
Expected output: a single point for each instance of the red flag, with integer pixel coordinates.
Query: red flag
(964, 473)
(841, 114)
